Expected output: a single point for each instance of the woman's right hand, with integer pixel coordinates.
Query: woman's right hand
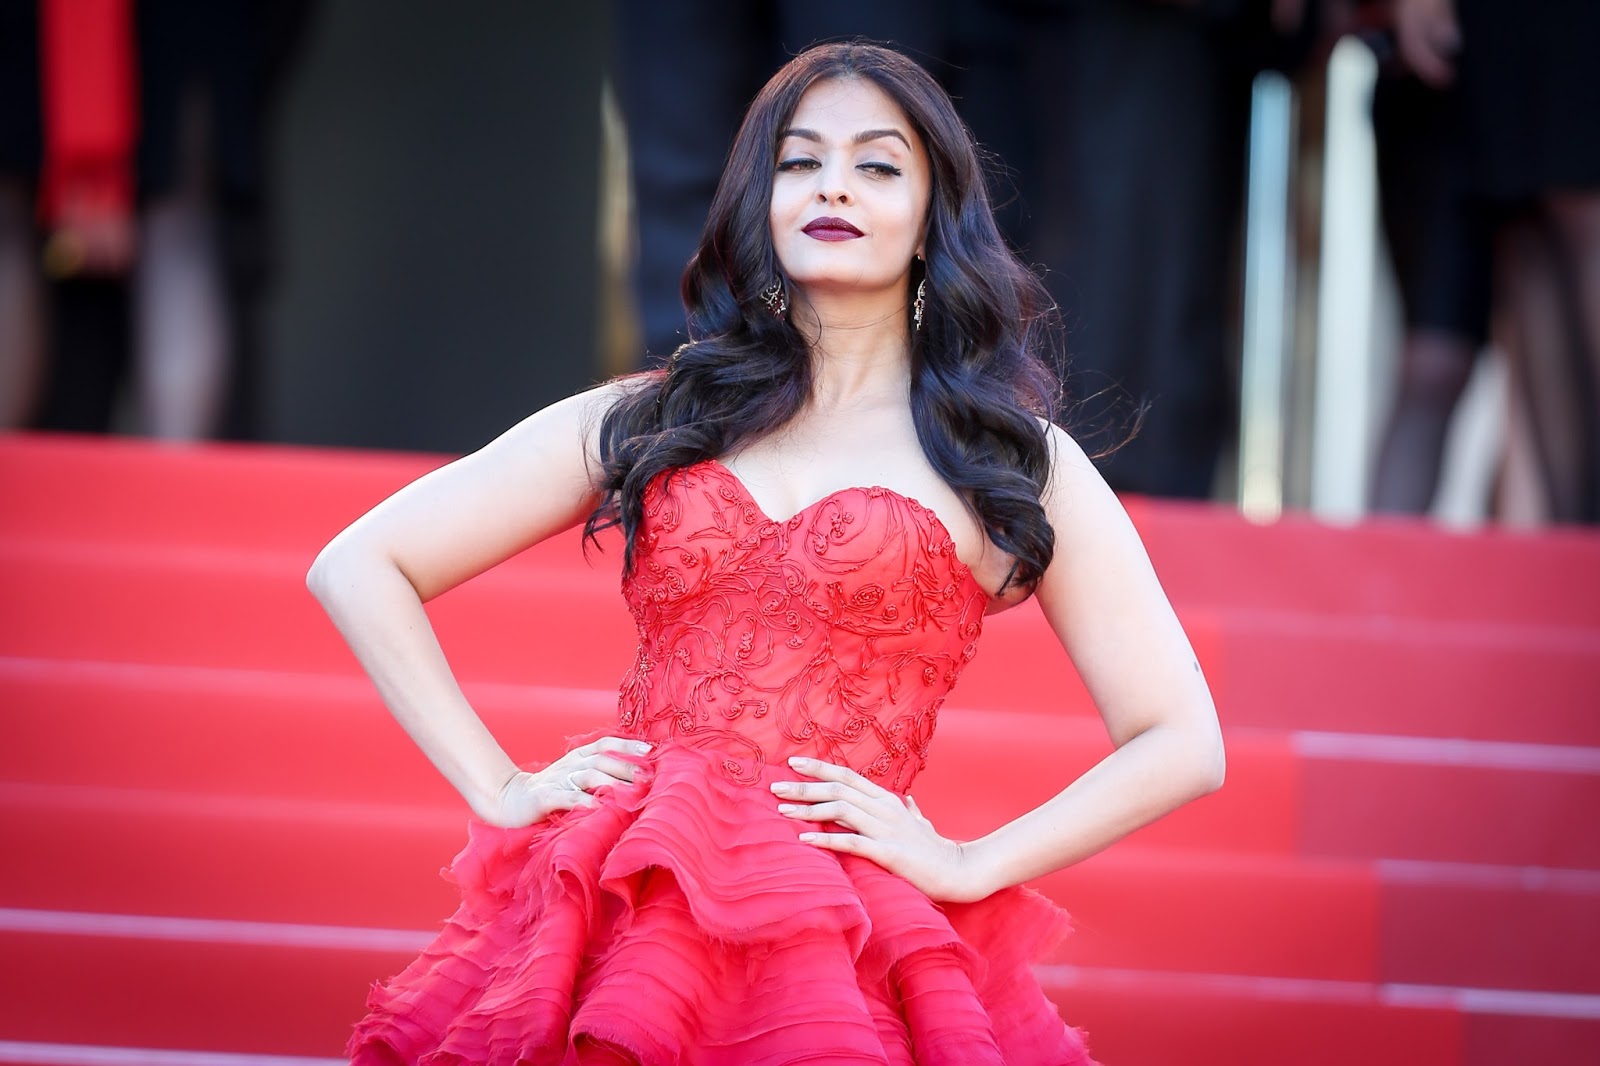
(529, 797)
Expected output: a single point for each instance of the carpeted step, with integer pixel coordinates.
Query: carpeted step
(149, 991)
(327, 737)
(346, 749)
(121, 851)
(1384, 567)
(367, 866)
(219, 612)
(1203, 1018)
(282, 498)
(1286, 670)
(300, 995)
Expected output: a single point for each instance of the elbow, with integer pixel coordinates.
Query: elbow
(1211, 765)
(317, 579)
(324, 575)
(347, 569)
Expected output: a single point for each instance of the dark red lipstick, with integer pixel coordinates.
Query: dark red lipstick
(828, 228)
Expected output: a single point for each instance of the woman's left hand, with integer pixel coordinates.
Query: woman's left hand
(886, 829)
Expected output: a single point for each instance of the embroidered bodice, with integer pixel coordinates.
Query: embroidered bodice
(836, 633)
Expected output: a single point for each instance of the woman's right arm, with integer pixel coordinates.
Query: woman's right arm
(535, 480)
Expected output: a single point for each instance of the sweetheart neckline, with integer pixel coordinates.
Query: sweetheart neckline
(957, 563)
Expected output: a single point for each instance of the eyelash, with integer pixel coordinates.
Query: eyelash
(883, 170)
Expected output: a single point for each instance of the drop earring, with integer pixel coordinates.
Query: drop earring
(920, 303)
(776, 299)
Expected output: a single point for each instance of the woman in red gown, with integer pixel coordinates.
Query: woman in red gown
(822, 497)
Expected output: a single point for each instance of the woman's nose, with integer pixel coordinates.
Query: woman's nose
(831, 185)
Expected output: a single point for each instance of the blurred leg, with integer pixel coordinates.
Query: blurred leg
(1519, 497)
(1434, 369)
(182, 320)
(1542, 361)
(180, 300)
(1575, 217)
(1439, 243)
(21, 307)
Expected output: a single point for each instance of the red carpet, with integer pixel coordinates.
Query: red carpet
(216, 837)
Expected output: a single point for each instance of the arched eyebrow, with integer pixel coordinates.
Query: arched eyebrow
(861, 138)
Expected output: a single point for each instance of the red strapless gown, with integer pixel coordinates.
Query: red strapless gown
(681, 920)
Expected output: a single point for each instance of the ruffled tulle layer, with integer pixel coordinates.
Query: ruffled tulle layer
(681, 921)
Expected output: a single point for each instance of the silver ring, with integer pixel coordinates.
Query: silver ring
(573, 785)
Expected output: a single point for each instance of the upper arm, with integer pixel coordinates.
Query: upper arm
(1101, 596)
(535, 480)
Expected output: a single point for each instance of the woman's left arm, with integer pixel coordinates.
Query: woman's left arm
(1101, 597)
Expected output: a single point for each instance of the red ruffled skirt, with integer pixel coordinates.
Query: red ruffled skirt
(681, 921)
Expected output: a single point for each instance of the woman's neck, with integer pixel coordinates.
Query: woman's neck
(860, 344)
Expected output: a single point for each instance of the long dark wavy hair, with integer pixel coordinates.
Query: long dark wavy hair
(981, 376)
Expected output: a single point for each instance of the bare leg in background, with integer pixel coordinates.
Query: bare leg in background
(1435, 367)
(1544, 361)
(180, 300)
(1575, 221)
(21, 307)
(1519, 498)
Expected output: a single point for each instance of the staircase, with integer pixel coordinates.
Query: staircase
(214, 838)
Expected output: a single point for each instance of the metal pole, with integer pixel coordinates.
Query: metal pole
(1343, 404)
(1268, 283)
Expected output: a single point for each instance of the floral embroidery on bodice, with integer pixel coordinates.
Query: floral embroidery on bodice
(836, 633)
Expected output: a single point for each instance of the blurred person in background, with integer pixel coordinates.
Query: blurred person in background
(151, 198)
(1439, 242)
(1529, 91)
(22, 312)
(1139, 113)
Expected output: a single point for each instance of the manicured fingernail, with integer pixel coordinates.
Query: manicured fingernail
(780, 786)
(641, 745)
(798, 760)
(808, 837)
(788, 808)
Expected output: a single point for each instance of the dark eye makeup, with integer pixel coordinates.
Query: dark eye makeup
(881, 169)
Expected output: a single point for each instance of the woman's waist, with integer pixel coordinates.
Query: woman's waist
(744, 750)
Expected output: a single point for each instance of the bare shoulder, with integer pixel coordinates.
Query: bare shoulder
(1094, 535)
(1076, 492)
(1067, 457)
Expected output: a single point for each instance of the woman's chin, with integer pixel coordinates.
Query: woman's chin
(837, 285)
